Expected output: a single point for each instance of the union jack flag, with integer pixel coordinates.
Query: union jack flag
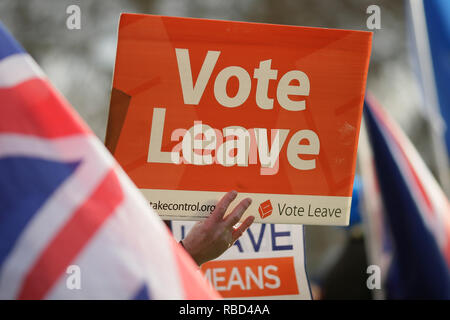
(64, 201)
(408, 213)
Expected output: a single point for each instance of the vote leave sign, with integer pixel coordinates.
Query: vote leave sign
(202, 107)
(266, 262)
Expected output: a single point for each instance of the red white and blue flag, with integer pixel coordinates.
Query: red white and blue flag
(415, 213)
(64, 202)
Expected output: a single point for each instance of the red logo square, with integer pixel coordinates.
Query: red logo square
(265, 209)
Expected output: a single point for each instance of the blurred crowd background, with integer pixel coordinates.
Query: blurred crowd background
(80, 63)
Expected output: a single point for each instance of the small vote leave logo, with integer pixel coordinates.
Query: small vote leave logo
(265, 209)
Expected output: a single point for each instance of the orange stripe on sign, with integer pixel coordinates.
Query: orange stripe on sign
(72, 238)
(252, 277)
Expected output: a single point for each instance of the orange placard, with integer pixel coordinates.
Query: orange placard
(200, 107)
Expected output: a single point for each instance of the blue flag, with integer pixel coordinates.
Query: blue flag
(437, 14)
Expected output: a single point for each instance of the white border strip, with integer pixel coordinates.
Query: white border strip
(204, 198)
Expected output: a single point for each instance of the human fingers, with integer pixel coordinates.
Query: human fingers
(237, 233)
(223, 205)
(237, 213)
